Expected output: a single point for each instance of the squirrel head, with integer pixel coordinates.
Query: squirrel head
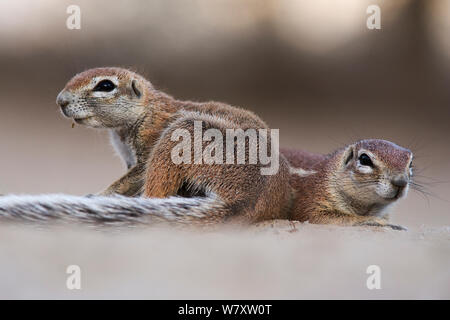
(105, 97)
(371, 175)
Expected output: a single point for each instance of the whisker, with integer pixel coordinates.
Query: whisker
(423, 194)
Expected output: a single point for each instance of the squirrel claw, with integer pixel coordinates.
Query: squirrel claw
(397, 227)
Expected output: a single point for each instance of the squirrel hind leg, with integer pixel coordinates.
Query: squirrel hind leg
(240, 187)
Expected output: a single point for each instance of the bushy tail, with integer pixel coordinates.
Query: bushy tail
(115, 210)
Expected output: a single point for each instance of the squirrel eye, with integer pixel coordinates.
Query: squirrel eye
(364, 159)
(105, 85)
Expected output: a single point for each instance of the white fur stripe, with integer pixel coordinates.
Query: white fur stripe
(301, 172)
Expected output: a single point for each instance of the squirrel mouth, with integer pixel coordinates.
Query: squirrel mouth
(398, 194)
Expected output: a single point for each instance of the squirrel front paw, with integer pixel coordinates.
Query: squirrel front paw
(375, 223)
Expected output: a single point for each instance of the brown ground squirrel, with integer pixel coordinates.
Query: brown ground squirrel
(352, 186)
(355, 185)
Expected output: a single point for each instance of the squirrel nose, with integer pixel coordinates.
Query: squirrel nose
(63, 99)
(400, 181)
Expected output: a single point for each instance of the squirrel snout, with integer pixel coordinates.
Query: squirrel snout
(400, 181)
(63, 99)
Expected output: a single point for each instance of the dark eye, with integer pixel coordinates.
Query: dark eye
(364, 159)
(105, 85)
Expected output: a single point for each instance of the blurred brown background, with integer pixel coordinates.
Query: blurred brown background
(310, 68)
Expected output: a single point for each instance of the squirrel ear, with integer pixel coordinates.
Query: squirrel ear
(348, 154)
(136, 88)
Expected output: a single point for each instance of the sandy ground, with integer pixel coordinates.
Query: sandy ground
(275, 260)
(274, 59)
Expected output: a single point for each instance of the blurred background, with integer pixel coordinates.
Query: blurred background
(310, 68)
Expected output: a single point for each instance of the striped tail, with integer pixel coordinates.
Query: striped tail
(114, 210)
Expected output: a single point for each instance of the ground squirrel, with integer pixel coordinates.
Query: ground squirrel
(355, 185)
(352, 186)
(142, 121)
